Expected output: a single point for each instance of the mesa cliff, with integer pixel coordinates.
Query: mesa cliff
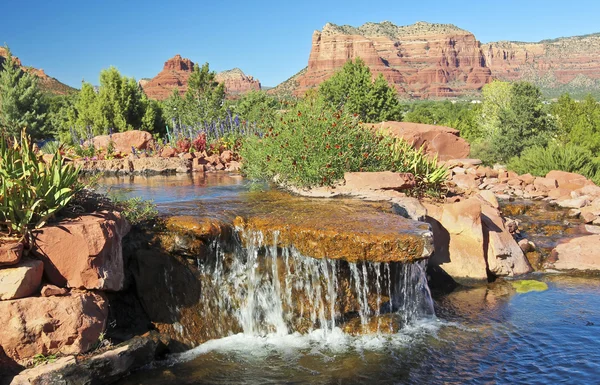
(426, 60)
(175, 75)
(46, 83)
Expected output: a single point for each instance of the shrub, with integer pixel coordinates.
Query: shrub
(313, 145)
(31, 191)
(539, 161)
(137, 211)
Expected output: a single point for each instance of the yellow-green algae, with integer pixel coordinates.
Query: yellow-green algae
(525, 286)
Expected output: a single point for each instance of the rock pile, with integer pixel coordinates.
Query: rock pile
(52, 301)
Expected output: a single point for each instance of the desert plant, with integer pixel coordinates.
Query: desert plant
(137, 211)
(314, 145)
(32, 191)
(569, 157)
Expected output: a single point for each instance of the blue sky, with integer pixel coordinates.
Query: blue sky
(271, 40)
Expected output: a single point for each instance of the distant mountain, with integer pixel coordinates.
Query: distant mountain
(46, 83)
(426, 60)
(177, 70)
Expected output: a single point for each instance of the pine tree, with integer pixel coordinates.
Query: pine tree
(21, 101)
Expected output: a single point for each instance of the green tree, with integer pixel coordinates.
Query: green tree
(352, 88)
(257, 107)
(21, 101)
(205, 97)
(496, 98)
(579, 122)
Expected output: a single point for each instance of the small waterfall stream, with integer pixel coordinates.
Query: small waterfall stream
(261, 289)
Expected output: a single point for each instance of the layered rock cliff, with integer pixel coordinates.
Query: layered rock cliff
(420, 60)
(175, 75)
(46, 83)
(427, 60)
(565, 64)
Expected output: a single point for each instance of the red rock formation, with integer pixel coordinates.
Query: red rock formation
(550, 63)
(421, 60)
(237, 82)
(176, 72)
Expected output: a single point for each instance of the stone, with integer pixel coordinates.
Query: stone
(123, 142)
(187, 156)
(490, 198)
(198, 165)
(574, 213)
(466, 182)
(526, 246)
(574, 203)
(234, 166)
(568, 180)
(50, 290)
(384, 180)
(459, 170)
(226, 156)
(545, 184)
(458, 239)
(168, 152)
(104, 368)
(85, 252)
(21, 280)
(592, 229)
(579, 253)
(504, 256)
(66, 325)
(10, 252)
(440, 141)
(588, 217)
(219, 166)
(527, 178)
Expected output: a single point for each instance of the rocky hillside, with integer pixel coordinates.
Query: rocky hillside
(569, 64)
(427, 60)
(177, 70)
(47, 83)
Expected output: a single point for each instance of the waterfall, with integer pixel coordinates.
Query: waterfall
(261, 289)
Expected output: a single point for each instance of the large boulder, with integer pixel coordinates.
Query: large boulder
(70, 324)
(569, 180)
(123, 142)
(85, 252)
(504, 256)
(471, 240)
(458, 239)
(21, 280)
(384, 180)
(442, 141)
(579, 253)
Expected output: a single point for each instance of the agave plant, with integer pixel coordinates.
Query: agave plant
(32, 191)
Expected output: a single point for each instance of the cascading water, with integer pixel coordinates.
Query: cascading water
(261, 289)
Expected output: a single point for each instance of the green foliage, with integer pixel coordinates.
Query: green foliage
(119, 105)
(258, 107)
(314, 144)
(21, 101)
(31, 191)
(41, 359)
(137, 211)
(459, 115)
(569, 157)
(353, 89)
(512, 119)
(204, 100)
(578, 122)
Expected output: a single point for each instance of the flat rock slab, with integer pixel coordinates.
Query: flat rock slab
(10, 253)
(21, 280)
(337, 229)
(581, 253)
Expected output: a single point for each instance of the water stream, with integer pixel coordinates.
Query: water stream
(282, 317)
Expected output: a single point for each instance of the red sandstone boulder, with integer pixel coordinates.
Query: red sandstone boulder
(458, 239)
(50, 290)
(124, 141)
(569, 180)
(385, 180)
(21, 280)
(444, 142)
(168, 152)
(85, 252)
(51, 325)
(10, 253)
(579, 253)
